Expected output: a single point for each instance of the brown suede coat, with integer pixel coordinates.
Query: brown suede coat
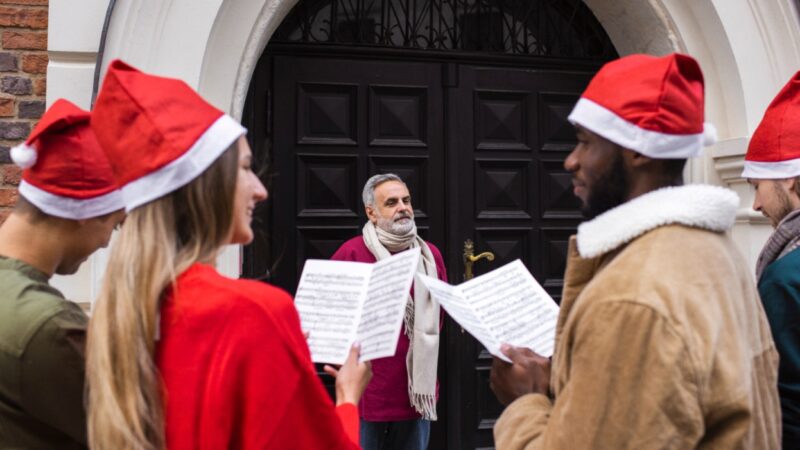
(661, 343)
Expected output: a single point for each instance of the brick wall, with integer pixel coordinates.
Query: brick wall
(23, 64)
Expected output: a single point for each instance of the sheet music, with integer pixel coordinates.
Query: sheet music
(329, 299)
(340, 302)
(383, 308)
(452, 300)
(508, 305)
(515, 307)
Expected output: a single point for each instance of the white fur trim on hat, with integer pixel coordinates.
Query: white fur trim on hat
(695, 205)
(213, 142)
(24, 155)
(71, 208)
(771, 170)
(606, 123)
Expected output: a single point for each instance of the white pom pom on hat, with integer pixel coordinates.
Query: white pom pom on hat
(24, 155)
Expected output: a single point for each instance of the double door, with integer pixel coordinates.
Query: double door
(481, 149)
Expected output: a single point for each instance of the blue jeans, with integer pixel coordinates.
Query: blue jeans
(402, 435)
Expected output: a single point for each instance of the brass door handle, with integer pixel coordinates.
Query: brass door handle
(470, 258)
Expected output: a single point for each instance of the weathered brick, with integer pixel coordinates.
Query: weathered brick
(14, 130)
(24, 2)
(12, 174)
(8, 196)
(23, 17)
(26, 40)
(40, 86)
(8, 62)
(6, 107)
(31, 109)
(5, 156)
(16, 85)
(34, 63)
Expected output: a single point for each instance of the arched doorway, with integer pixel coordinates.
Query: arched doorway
(467, 101)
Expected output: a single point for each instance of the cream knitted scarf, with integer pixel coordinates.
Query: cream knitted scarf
(421, 318)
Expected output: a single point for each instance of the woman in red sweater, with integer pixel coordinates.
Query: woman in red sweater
(180, 356)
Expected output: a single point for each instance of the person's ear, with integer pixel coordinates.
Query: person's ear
(118, 217)
(372, 215)
(788, 184)
(635, 159)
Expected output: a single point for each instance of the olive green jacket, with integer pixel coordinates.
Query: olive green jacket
(661, 341)
(42, 338)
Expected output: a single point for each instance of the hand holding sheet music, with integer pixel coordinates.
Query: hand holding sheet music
(506, 305)
(341, 302)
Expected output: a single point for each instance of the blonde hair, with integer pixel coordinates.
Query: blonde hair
(158, 241)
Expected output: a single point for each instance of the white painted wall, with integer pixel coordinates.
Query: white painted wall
(747, 49)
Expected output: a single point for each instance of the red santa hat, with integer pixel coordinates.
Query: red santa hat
(66, 173)
(652, 105)
(774, 150)
(158, 133)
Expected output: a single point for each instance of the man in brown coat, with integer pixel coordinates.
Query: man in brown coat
(661, 340)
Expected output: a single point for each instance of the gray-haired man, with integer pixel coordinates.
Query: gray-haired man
(400, 401)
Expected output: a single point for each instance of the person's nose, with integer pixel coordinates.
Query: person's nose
(260, 192)
(571, 163)
(757, 203)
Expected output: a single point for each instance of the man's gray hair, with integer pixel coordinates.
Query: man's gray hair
(369, 188)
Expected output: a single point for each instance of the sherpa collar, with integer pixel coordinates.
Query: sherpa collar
(702, 206)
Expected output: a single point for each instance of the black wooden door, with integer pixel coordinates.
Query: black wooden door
(481, 149)
(508, 140)
(467, 101)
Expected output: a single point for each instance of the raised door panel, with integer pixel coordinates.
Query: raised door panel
(502, 189)
(398, 116)
(500, 120)
(326, 186)
(327, 113)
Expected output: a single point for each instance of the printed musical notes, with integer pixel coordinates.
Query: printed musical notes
(341, 302)
(506, 305)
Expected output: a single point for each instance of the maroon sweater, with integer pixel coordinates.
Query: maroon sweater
(386, 396)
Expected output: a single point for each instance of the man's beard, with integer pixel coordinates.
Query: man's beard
(397, 228)
(783, 208)
(607, 191)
